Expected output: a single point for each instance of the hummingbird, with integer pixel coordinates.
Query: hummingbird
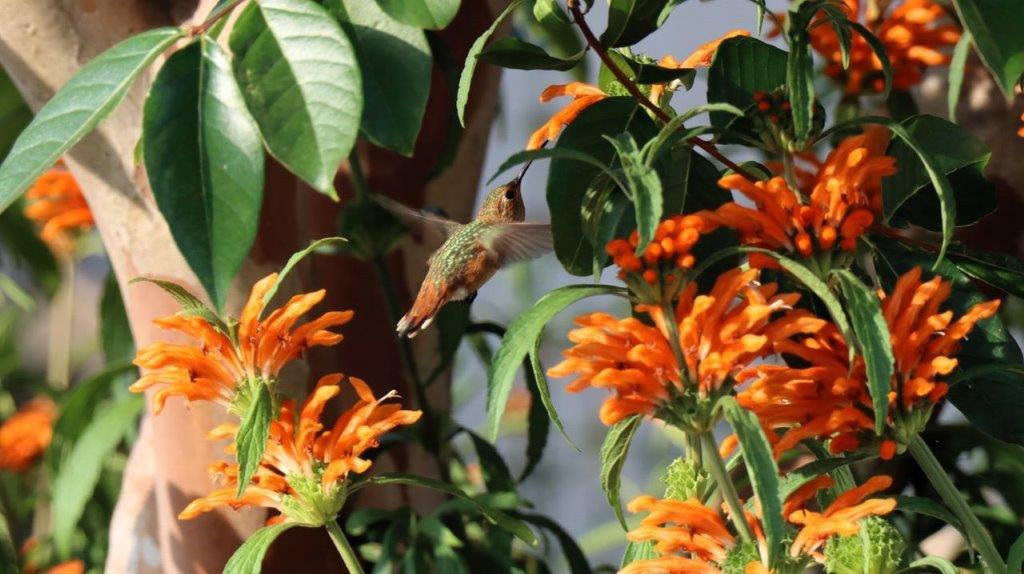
(471, 253)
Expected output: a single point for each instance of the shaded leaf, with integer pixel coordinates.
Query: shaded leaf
(469, 68)
(314, 246)
(115, 332)
(630, 21)
(430, 14)
(514, 53)
(743, 66)
(613, 457)
(248, 559)
(998, 32)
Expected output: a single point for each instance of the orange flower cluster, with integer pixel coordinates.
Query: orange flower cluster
(911, 34)
(718, 334)
(213, 370)
(845, 197)
(26, 434)
(304, 467)
(668, 252)
(57, 206)
(829, 400)
(687, 526)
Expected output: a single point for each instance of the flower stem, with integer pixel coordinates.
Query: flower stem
(718, 472)
(977, 533)
(348, 555)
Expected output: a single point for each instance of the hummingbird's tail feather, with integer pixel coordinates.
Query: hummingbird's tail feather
(428, 302)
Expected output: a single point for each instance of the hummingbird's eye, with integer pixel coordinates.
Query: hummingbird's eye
(510, 194)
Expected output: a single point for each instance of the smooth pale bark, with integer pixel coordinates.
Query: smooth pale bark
(42, 44)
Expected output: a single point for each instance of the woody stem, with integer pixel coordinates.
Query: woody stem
(721, 476)
(213, 18)
(348, 554)
(977, 532)
(634, 90)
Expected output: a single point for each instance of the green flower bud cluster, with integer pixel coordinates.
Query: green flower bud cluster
(684, 480)
(877, 549)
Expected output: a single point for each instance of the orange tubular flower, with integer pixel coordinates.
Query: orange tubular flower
(718, 334)
(687, 526)
(700, 58)
(663, 259)
(304, 469)
(845, 199)
(25, 435)
(912, 38)
(70, 567)
(583, 96)
(57, 206)
(214, 369)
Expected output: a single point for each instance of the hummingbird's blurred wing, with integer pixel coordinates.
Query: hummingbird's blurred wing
(512, 242)
(431, 229)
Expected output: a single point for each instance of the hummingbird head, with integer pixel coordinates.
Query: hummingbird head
(504, 204)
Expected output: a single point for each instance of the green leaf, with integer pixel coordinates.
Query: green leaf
(636, 551)
(548, 12)
(544, 392)
(762, 471)
(670, 131)
(78, 475)
(880, 52)
(954, 152)
(8, 555)
(506, 522)
(603, 215)
(570, 549)
(317, 245)
(998, 32)
(14, 113)
(516, 54)
(396, 64)
(1003, 272)
(77, 108)
(872, 337)
(801, 475)
(520, 339)
(466, 79)
(1015, 559)
(248, 559)
(941, 564)
(538, 419)
(115, 331)
(24, 249)
(743, 66)
(991, 397)
(527, 156)
(204, 159)
(301, 81)
(643, 187)
(496, 474)
(190, 304)
(957, 68)
(800, 74)
(613, 457)
(928, 507)
(630, 21)
(430, 14)
(252, 433)
(654, 74)
(568, 180)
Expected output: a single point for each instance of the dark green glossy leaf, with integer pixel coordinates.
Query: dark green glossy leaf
(872, 339)
(1003, 272)
(115, 332)
(395, 61)
(430, 14)
(570, 549)
(78, 475)
(538, 419)
(253, 432)
(14, 113)
(743, 66)
(520, 339)
(630, 21)
(299, 75)
(544, 392)
(762, 471)
(998, 32)
(468, 69)
(77, 108)
(957, 69)
(655, 74)
(613, 457)
(24, 248)
(496, 474)
(204, 159)
(514, 53)
(248, 559)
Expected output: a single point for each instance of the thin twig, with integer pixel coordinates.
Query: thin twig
(213, 18)
(634, 91)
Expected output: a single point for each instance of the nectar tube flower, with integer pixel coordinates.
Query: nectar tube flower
(57, 206)
(913, 38)
(688, 526)
(222, 366)
(583, 96)
(657, 274)
(844, 201)
(305, 467)
(717, 334)
(700, 58)
(26, 434)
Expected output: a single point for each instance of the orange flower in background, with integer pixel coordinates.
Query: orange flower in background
(70, 567)
(912, 35)
(304, 466)
(26, 434)
(844, 201)
(719, 334)
(583, 96)
(690, 527)
(667, 253)
(700, 58)
(56, 204)
(213, 369)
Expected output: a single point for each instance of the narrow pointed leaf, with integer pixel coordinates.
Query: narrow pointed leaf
(204, 159)
(429, 14)
(313, 247)
(77, 108)
(248, 559)
(252, 434)
(998, 32)
(300, 79)
(469, 68)
(613, 457)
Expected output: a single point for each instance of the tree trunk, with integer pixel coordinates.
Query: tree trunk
(42, 44)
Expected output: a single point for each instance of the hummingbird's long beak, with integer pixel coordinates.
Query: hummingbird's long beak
(526, 167)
